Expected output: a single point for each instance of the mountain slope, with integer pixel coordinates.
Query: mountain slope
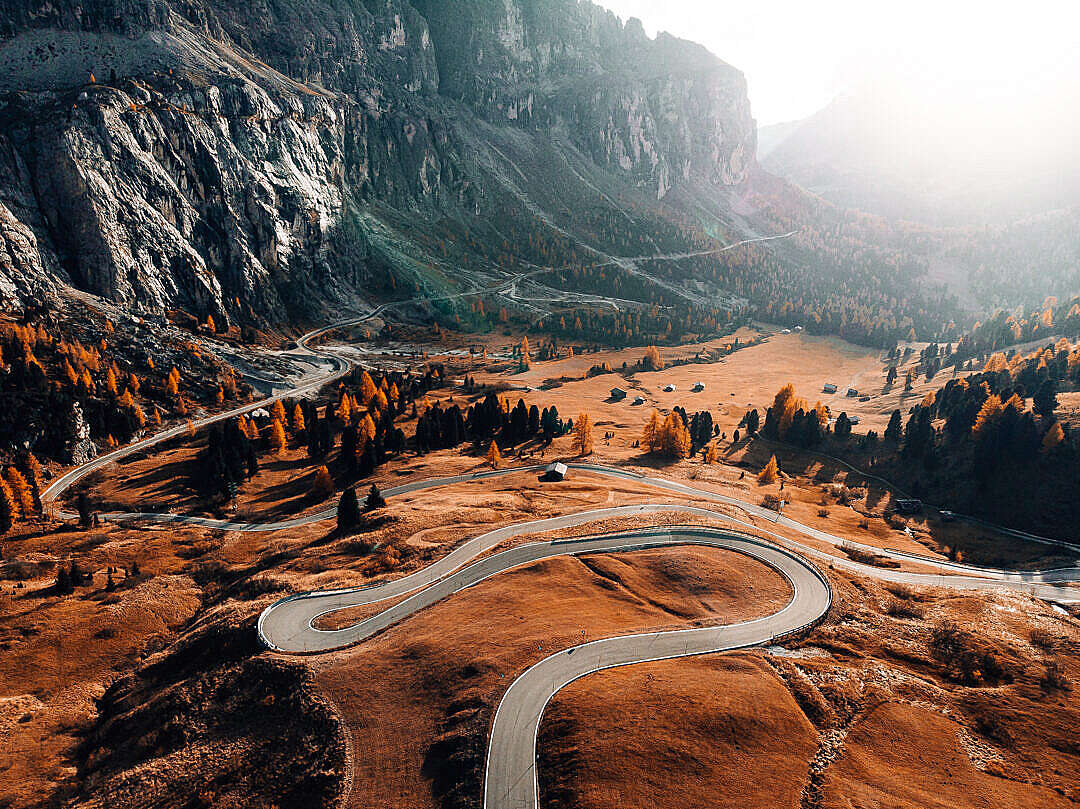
(257, 161)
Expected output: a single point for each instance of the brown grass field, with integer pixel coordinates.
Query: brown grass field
(863, 712)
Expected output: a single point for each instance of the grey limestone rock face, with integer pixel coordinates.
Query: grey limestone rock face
(229, 158)
(80, 448)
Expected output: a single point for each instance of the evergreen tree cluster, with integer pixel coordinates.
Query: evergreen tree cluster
(486, 420)
(228, 459)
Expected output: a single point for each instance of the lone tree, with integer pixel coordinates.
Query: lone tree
(493, 457)
(63, 581)
(583, 437)
(85, 515)
(770, 472)
(323, 485)
(650, 435)
(348, 510)
(524, 364)
(374, 499)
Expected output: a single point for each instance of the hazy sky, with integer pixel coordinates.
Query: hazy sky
(799, 54)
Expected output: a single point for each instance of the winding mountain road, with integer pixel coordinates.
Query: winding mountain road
(510, 779)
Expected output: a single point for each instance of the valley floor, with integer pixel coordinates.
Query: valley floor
(866, 710)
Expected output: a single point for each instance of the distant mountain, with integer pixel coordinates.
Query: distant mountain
(931, 157)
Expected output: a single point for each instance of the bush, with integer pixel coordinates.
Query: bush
(22, 570)
(895, 521)
(374, 499)
(1054, 678)
(868, 557)
(771, 501)
(964, 661)
(1042, 639)
(261, 585)
(990, 725)
(903, 609)
(903, 592)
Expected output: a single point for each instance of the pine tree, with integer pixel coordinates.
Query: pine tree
(367, 428)
(367, 389)
(277, 411)
(298, 419)
(63, 580)
(8, 509)
(323, 485)
(35, 477)
(83, 505)
(842, 430)
(493, 457)
(348, 513)
(650, 436)
(770, 472)
(1044, 402)
(1054, 436)
(674, 438)
(583, 434)
(374, 499)
(20, 489)
(892, 431)
(524, 363)
(989, 414)
(277, 437)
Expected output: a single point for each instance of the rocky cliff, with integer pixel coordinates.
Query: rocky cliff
(257, 160)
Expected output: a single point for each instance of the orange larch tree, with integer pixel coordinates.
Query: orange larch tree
(277, 437)
(493, 457)
(583, 434)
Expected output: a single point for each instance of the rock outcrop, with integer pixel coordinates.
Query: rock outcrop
(257, 161)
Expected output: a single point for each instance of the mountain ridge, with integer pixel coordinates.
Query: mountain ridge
(257, 163)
